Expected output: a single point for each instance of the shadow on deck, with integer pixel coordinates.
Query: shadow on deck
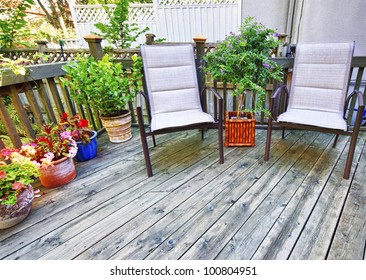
(295, 206)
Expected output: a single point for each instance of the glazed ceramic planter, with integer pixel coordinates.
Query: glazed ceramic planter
(118, 128)
(87, 151)
(62, 172)
(10, 215)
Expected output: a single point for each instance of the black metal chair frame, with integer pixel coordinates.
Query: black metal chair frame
(278, 105)
(202, 126)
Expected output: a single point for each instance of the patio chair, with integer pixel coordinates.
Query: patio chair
(173, 100)
(318, 98)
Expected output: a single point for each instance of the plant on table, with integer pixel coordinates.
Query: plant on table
(243, 59)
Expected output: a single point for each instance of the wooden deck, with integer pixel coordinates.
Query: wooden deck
(296, 206)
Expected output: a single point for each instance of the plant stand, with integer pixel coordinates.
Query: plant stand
(239, 132)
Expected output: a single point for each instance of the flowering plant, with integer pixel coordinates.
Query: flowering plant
(53, 143)
(243, 59)
(78, 127)
(16, 173)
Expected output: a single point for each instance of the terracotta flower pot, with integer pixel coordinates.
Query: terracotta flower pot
(118, 128)
(62, 172)
(10, 215)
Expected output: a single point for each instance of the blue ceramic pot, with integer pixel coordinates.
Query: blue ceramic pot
(87, 151)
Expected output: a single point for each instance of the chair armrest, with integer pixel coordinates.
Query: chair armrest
(213, 91)
(277, 107)
(140, 96)
(361, 105)
(217, 97)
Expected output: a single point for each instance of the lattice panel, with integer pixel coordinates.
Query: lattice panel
(141, 13)
(124, 54)
(57, 56)
(85, 14)
(195, 2)
(137, 13)
(31, 57)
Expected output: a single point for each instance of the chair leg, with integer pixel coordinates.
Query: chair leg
(202, 133)
(145, 147)
(335, 140)
(221, 143)
(268, 141)
(154, 141)
(283, 132)
(351, 152)
(352, 145)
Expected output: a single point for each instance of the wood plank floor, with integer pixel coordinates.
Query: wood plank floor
(295, 206)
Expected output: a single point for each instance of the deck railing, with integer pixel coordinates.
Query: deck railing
(38, 97)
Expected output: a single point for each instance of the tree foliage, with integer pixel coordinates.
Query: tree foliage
(13, 25)
(118, 32)
(243, 59)
(57, 13)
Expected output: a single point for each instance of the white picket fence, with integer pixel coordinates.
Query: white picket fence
(173, 20)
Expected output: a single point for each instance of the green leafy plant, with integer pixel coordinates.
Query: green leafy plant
(243, 59)
(101, 84)
(13, 26)
(118, 31)
(16, 173)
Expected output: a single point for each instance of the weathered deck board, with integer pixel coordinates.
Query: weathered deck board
(102, 191)
(296, 206)
(247, 240)
(283, 236)
(172, 207)
(349, 240)
(211, 243)
(317, 234)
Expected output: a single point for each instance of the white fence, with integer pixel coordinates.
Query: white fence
(173, 20)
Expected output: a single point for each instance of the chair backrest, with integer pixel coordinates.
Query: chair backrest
(321, 75)
(171, 78)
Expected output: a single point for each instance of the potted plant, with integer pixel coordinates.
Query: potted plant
(54, 150)
(103, 85)
(243, 60)
(86, 138)
(17, 173)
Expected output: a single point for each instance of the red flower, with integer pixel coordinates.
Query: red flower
(2, 174)
(17, 186)
(83, 123)
(64, 117)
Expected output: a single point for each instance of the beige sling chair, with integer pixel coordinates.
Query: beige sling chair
(318, 97)
(173, 100)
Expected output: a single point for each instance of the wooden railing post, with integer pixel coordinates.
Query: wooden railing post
(149, 38)
(200, 52)
(42, 45)
(95, 45)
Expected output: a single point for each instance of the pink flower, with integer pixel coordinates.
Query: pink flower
(49, 155)
(2, 174)
(17, 186)
(65, 135)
